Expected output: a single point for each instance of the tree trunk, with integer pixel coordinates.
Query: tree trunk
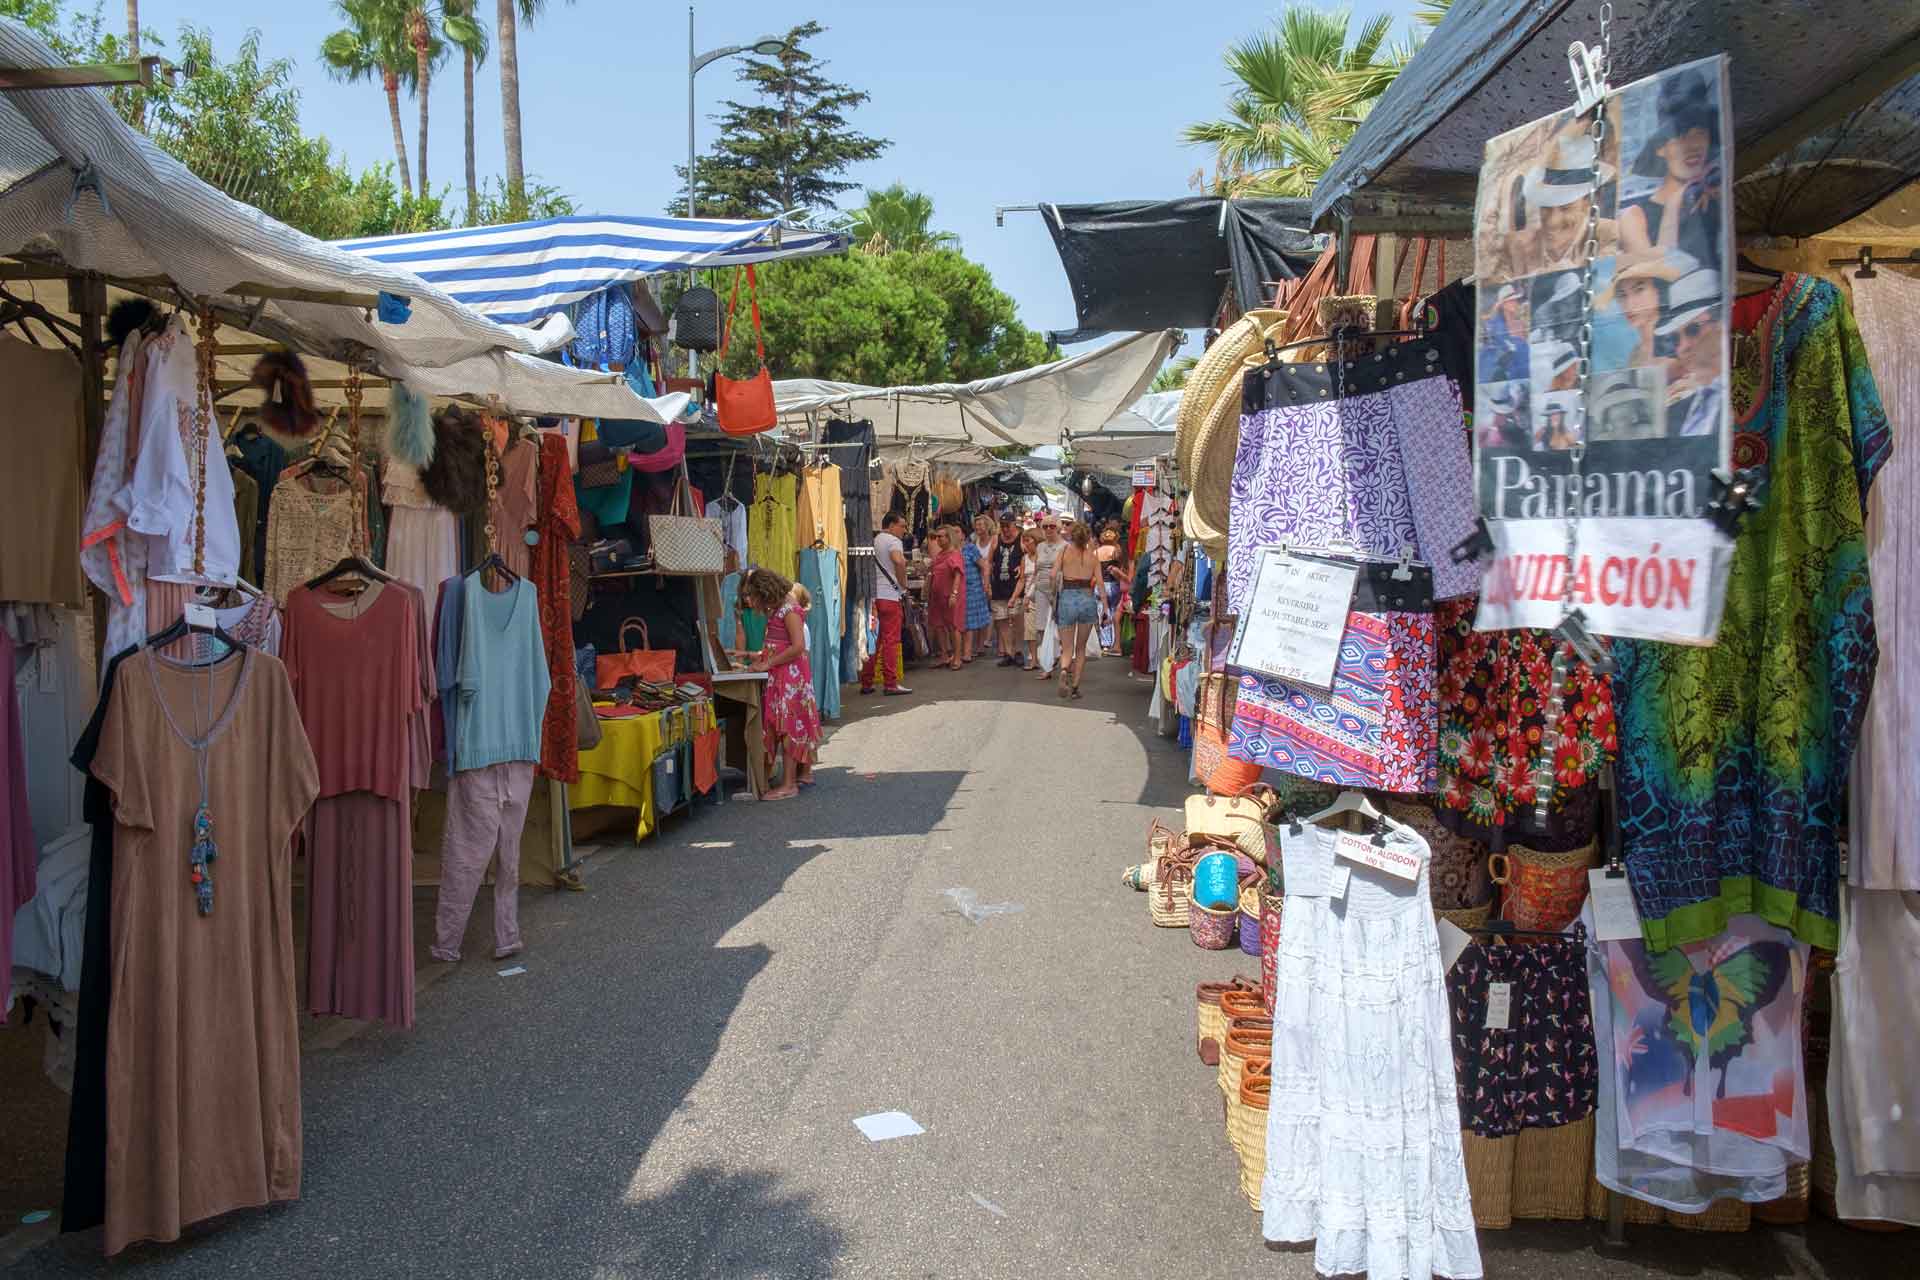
(424, 71)
(391, 81)
(510, 107)
(133, 55)
(473, 182)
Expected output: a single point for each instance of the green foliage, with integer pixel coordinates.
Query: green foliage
(896, 220)
(786, 149)
(884, 321)
(1173, 375)
(542, 200)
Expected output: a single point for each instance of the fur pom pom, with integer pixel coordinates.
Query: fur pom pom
(289, 410)
(127, 315)
(410, 435)
(457, 476)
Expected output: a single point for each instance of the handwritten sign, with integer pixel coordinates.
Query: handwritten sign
(1295, 615)
(1381, 857)
(1615, 918)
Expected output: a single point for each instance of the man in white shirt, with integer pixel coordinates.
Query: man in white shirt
(889, 590)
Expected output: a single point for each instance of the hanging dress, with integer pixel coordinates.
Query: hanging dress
(979, 613)
(1363, 1127)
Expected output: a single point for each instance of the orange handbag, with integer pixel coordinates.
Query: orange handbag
(745, 408)
(655, 666)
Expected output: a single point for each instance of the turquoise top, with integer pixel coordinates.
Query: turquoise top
(503, 680)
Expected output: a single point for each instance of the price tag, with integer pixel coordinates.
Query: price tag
(1294, 617)
(1381, 857)
(1615, 918)
(49, 670)
(200, 615)
(1337, 877)
(1453, 941)
(1144, 475)
(1499, 1005)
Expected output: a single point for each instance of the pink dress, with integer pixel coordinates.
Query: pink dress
(789, 710)
(941, 615)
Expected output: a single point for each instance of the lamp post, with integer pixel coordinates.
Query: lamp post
(766, 47)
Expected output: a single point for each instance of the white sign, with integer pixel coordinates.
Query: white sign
(1295, 615)
(1381, 857)
(1639, 579)
(1615, 918)
(1144, 475)
(199, 615)
(1499, 1005)
(1337, 879)
(1453, 941)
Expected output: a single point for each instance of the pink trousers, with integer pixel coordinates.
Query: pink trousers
(486, 808)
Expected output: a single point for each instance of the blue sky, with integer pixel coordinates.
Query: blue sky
(993, 102)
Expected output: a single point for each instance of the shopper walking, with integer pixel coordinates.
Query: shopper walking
(1076, 573)
(946, 599)
(790, 715)
(974, 557)
(889, 594)
(1042, 592)
(1112, 585)
(1004, 585)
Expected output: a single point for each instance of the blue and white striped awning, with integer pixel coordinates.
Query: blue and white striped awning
(517, 273)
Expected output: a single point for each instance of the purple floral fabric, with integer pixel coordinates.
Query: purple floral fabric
(1433, 446)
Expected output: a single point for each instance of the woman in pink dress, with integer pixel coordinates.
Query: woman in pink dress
(946, 584)
(789, 714)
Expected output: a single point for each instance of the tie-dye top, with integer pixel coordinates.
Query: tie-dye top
(1733, 759)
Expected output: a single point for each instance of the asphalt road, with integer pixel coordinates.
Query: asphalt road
(670, 1088)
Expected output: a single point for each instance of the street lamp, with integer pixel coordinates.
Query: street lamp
(766, 47)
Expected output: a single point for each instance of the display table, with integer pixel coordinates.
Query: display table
(619, 772)
(746, 739)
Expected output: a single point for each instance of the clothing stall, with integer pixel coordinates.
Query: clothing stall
(1631, 850)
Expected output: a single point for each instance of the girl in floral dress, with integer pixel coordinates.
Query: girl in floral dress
(789, 713)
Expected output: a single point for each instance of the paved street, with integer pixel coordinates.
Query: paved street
(670, 1090)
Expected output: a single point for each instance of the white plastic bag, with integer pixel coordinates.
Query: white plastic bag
(1050, 646)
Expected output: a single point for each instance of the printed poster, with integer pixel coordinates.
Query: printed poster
(1647, 565)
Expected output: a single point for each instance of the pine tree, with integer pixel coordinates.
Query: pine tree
(786, 149)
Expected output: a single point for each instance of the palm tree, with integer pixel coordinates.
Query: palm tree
(133, 55)
(1302, 88)
(896, 220)
(373, 46)
(504, 19)
(461, 25)
(419, 21)
(1173, 376)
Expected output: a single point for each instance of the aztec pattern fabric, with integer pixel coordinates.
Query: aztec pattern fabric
(1376, 727)
(1734, 759)
(1493, 688)
(1319, 471)
(1538, 1070)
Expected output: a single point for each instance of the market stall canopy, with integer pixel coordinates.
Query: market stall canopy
(1032, 407)
(1143, 264)
(523, 271)
(80, 190)
(1816, 88)
(1139, 433)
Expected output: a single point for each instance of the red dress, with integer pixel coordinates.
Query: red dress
(790, 713)
(941, 613)
(557, 519)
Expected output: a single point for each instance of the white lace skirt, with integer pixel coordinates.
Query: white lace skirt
(1363, 1128)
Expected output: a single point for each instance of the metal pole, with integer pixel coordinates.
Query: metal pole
(693, 357)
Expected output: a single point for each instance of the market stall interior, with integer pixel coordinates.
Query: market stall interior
(1598, 856)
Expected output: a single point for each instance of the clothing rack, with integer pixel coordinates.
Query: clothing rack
(1865, 257)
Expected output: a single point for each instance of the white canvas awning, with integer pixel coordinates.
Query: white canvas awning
(1032, 407)
(81, 190)
(1139, 433)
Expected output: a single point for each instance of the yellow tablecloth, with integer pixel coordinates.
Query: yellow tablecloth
(620, 770)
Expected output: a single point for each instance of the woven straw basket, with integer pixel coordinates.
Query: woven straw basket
(1468, 918)
(1212, 927)
(1551, 1169)
(1792, 1208)
(1219, 366)
(1490, 1178)
(1250, 1142)
(1210, 1025)
(1246, 1037)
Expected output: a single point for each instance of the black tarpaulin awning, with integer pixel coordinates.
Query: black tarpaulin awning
(1823, 96)
(1140, 264)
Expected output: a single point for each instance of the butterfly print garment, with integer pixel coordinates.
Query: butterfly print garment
(1541, 1070)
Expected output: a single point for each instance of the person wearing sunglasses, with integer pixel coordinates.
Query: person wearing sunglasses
(1695, 324)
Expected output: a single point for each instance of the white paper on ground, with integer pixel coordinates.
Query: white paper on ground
(883, 1125)
(1615, 918)
(515, 970)
(1453, 940)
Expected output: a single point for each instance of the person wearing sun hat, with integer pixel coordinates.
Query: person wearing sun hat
(1629, 308)
(1684, 211)
(1558, 194)
(1503, 355)
(1556, 420)
(1557, 365)
(1695, 322)
(1502, 421)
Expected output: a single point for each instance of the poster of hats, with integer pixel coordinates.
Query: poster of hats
(1647, 565)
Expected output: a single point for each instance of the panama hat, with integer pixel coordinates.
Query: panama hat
(1213, 541)
(1555, 357)
(1570, 173)
(1664, 265)
(1691, 294)
(1500, 398)
(1220, 363)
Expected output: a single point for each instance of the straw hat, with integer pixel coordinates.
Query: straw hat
(1220, 362)
(1664, 265)
(1213, 541)
(1211, 474)
(1693, 294)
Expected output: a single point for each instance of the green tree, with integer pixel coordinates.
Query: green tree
(896, 220)
(465, 31)
(374, 47)
(421, 22)
(886, 321)
(497, 203)
(1173, 375)
(1300, 90)
(786, 149)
